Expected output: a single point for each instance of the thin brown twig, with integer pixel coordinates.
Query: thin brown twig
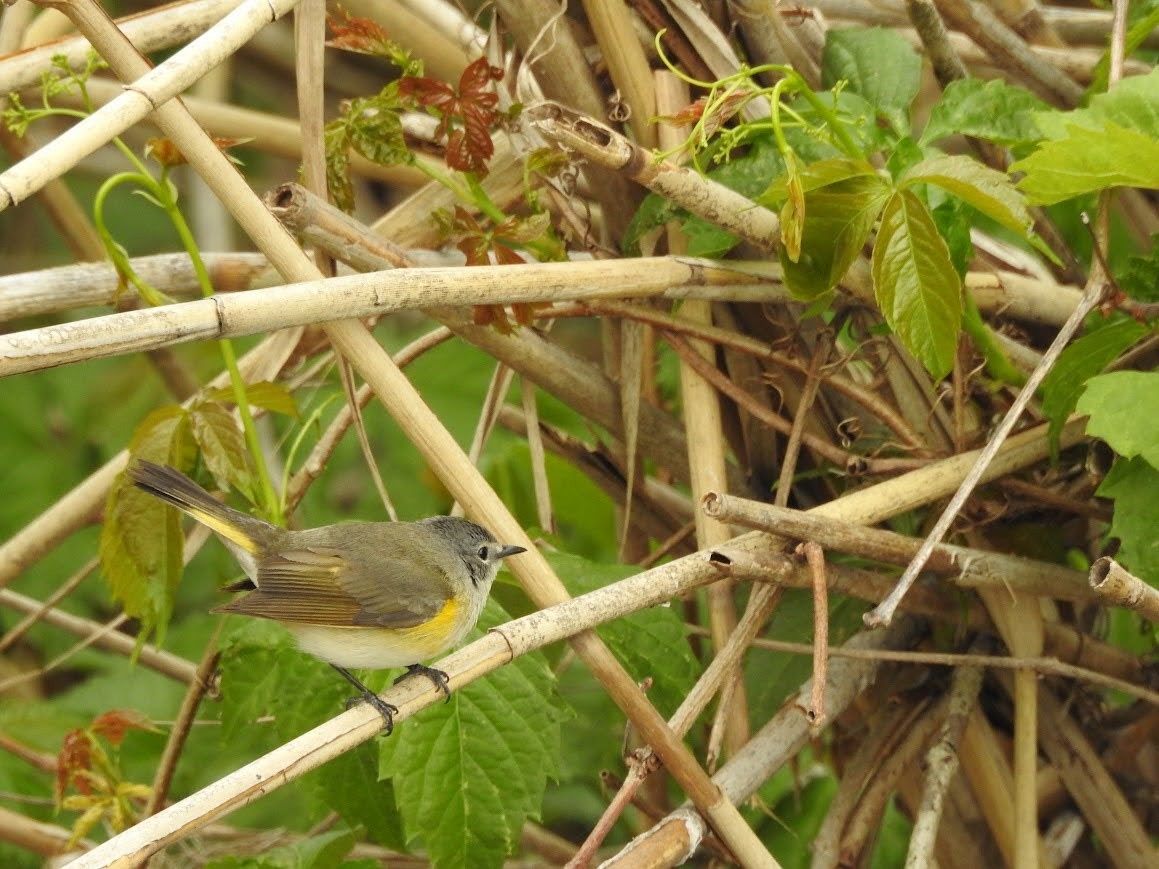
(1046, 666)
(179, 733)
(804, 407)
(826, 450)
(815, 556)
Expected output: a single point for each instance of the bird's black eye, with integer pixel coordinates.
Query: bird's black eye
(482, 553)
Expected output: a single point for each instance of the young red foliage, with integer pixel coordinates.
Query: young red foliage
(465, 113)
(359, 35)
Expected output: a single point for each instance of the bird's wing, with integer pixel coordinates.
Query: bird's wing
(318, 585)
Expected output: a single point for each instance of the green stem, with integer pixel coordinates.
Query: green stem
(270, 502)
(998, 364)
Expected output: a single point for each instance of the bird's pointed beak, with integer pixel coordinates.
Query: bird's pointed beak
(510, 550)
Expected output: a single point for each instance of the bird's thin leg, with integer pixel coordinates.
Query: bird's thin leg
(384, 709)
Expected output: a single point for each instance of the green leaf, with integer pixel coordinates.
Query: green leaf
(1140, 275)
(1124, 411)
(1087, 161)
(349, 785)
(222, 444)
(264, 394)
(375, 127)
(264, 673)
(1132, 103)
(985, 189)
(1134, 486)
(324, 851)
(469, 772)
(919, 292)
(141, 542)
(842, 200)
(654, 212)
(838, 220)
(336, 141)
(879, 65)
(1079, 362)
(992, 110)
(814, 176)
(954, 221)
(651, 644)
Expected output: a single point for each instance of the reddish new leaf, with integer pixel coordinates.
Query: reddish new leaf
(75, 759)
(113, 725)
(359, 35)
(465, 114)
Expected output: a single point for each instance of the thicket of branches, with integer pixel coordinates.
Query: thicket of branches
(807, 348)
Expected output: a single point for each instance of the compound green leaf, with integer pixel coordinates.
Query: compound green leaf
(1132, 103)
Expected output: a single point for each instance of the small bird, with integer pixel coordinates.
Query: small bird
(372, 595)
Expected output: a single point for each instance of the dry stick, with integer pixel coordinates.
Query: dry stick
(1115, 585)
(47, 840)
(179, 733)
(18, 630)
(423, 428)
(1100, 799)
(1008, 50)
(82, 285)
(87, 640)
(165, 663)
(1045, 666)
(155, 29)
(537, 455)
(580, 385)
(815, 555)
(706, 444)
(321, 300)
(66, 213)
(316, 462)
(761, 605)
(871, 805)
(677, 837)
(882, 734)
(941, 765)
(362, 723)
(770, 39)
(1076, 26)
(975, 567)
(883, 612)
(20, 181)
(611, 24)
(701, 196)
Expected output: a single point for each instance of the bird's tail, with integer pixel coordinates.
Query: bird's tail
(170, 485)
